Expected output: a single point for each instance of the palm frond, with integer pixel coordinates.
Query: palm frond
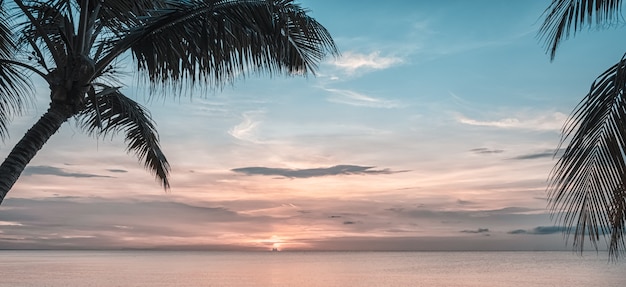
(45, 22)
(14, 84)
(586, 187)
(110, 112)
(565, 17)
(122, 15)
(109, 20)
(214, 41)
(617, 218)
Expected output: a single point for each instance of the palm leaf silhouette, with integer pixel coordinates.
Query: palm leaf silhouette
(75, 46)
(587, 186)
(111, 112)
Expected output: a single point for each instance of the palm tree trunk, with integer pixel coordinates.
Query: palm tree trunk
(30, 144)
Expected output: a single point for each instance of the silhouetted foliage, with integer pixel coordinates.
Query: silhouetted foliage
(73, 45)
(587, 187)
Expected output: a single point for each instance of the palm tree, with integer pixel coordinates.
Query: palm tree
(587, 187)
(74, 44)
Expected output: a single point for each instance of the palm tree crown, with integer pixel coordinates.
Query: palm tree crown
(587, 187)
(74, 44)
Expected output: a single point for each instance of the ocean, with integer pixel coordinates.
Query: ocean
(301, 269)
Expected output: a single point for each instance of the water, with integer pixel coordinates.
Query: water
(169, 268)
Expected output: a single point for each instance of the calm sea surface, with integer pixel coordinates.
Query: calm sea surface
(164, 268)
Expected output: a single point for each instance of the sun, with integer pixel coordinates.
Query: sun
(276, 246)
(276, 242)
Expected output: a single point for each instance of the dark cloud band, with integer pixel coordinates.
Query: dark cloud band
(50, 170)
(539, 155)
(313, 172)
(479, 230)
(540, 230)
(484, 150)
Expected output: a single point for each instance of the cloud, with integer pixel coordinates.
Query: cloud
(553, 121)
(483, 150)
(350, 62)
(489, 216)
(479, 230)
(117, 170)
(246, 129)
(9, 223)
(540, 230)
(464, 202)
(538, 155)
(352, 98)
(50, 170)
(92, 222)
(313, 172)
(512, 210)
(109, 223)
(432, 243)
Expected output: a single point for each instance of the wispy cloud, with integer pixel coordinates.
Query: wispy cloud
(552, 121)
(53, 223)
(246, 129)
(479, 230)
(313, 172)
(237, 224)
(484, 150)
(353, 98)
(50, 170)
(10, 223)
(352, 62)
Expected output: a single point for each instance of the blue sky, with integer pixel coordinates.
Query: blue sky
(434, 130)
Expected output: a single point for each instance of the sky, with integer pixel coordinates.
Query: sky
(434, 130)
